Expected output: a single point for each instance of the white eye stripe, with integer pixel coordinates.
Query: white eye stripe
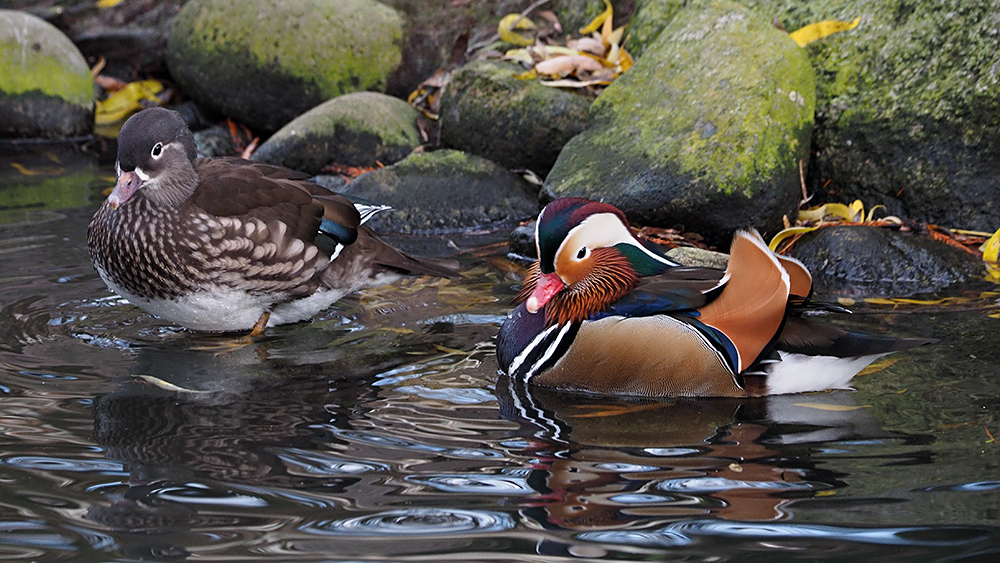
(157, 151)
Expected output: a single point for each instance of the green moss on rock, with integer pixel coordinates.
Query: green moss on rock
(706, 130)
(359, 129)
(515, 123)
(267, 61)
(907, 106)
(46, 89)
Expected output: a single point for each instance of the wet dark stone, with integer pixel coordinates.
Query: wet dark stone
(445, 192)
(857, 261)
(522, 242)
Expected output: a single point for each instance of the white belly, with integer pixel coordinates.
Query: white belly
(220, 309)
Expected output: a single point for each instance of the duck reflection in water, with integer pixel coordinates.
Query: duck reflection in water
(605, 463)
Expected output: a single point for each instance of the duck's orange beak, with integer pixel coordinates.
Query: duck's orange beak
(547, 286)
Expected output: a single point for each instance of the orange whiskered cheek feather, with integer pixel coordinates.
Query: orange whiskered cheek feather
(609, 277)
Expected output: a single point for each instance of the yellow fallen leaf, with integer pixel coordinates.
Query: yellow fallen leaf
(510, 27)
(108, 3)
(527, 75)
(991, 255)
(877, 366)
(23, 170)
(853, 212)
(123, 103)
(519, 56)
(826, 407)
(598, 22)
(815, 31)
(787, 233)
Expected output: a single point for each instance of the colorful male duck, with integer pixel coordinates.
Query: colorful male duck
(224, 244)
(603, 312)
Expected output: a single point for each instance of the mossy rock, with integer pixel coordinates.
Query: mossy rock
(46, 90)
(907, 106)
(650, 18)
(444, 191)
(264, 62)
(705, 131)
(872, 261)
(359, 129)
(516, 123)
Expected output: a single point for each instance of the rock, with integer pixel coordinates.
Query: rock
(906, 106)
(515, 123)
(872, 261)
(360, 129)
(264, 62)
(216, 140)
(46, 90)
(651, 17)
(521, 247)
(705, 131)
(692, 256)
(443, 192)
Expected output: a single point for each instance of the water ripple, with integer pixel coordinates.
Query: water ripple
(476, 484)
(63, 464)
(415, 522)
(318, 463)
(684, 533)
(712, 484)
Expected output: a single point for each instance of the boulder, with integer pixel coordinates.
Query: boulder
(906, 106)
(444, 191)
(872, 261)
(706, 131)
(264, 62)
(46, 90)
(359, 129)
(516, 123)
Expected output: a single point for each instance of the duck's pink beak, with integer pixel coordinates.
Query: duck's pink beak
(125, 187)
(547, 286)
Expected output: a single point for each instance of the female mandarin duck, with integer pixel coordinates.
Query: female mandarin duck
(603, 312)
(223, 244)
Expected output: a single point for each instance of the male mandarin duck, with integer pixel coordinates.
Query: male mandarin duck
(225, 244)
(603, 312)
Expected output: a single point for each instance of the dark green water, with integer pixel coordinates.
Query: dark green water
(380, 431)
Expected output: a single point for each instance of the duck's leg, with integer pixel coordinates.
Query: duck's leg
(258, 329)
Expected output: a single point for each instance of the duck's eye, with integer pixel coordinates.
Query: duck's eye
(157, 150)
(583, 253)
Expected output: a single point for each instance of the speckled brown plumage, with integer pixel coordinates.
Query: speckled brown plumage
(214, 243)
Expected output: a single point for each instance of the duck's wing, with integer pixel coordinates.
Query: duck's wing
(677, 289)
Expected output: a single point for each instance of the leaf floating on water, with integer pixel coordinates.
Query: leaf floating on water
(878, 366)
(510, 29)
(166, 385)
(23, 170)
(816, 31)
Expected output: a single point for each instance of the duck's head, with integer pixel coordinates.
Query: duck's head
(587, 258)
(156, 152)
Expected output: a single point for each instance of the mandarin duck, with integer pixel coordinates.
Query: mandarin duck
(603, 312)
(226, 244)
